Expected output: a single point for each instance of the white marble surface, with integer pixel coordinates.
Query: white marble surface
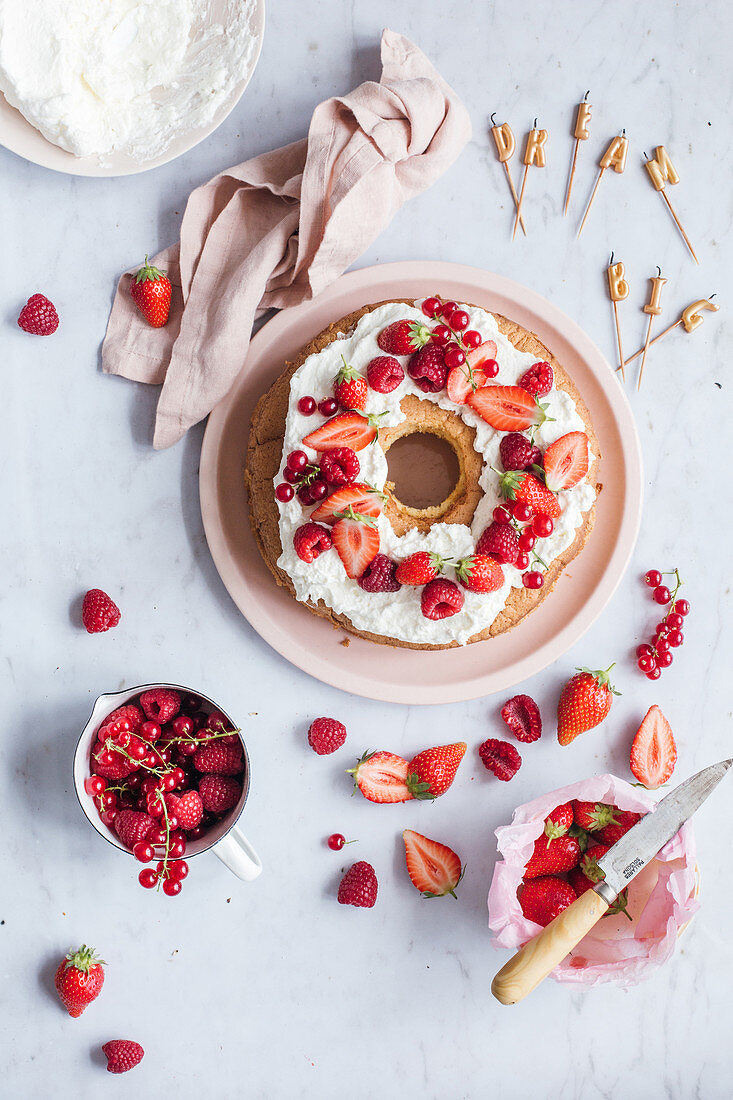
(273, 990)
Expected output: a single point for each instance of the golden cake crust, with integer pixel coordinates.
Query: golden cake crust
(264, 453)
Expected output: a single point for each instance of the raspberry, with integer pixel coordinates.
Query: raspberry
(380, 576)
(160, 704)
(99, 612)
(117, 767)
(340, 466)
(219, 793)
(501, 758)
(518, 453)
(359, 886)
(132, 826)
(310, 541)
(440, 599)
(325, 735)
(385, 374)
(122, 1054)
(427, 368)
(522, 715)
(190, 810)
(219, 759)
(538, 380)
(499, 540)
(132, 713)
(38, 316)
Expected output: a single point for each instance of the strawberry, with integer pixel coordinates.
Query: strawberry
(653, 752)
(219, 793)
(214, 757)
(384, 374)
(434, 868)
(160, 704)
(381, 777)
(580, 883)
(462, 381)
(440, 599)
(404, 337)
(310, 541)
(350, 388)
(501, 758)
(325, 735)
(506, 408)
(189, 810)
(38, 316)
(346, 429)
(150, 290)
(427, 369)
(518, 453)
(584, 703)
(339, 466)
(519, 485)
(420, 568)
(356, 539)
(122, 1055)
(359, 886)
(522, 715)
(592, 816)
(501, 542)
(552, 857)
(543, 899)
(485, 352)
(132, 826)
(538, 380)
(480, 573)
(559, 821)
(380, 576)
(79, 979)
(614, 830)
(99, 612)
(362, 498)
(566, 461)
(432, 771)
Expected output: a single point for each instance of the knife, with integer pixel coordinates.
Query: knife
(621, 863)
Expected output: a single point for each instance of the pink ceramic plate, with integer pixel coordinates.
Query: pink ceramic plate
(388, 672)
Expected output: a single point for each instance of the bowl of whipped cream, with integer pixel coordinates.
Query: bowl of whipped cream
(113, 87)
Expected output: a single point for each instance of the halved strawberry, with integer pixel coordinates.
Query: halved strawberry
(506, 408)
(348, 429)
(381, 777)
(434, 868)
(356, 539)
(462, 381)
(362, 498)
(476, 357)
(566, 461)
(653, 752)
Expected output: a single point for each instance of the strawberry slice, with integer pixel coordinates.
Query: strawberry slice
(566, 461)
(381, 777)
(461, 382)
(506, 408)
(480, 355)
(349, 429)
(653, 752)
(362, 498)
(434, 868)
(356, 539)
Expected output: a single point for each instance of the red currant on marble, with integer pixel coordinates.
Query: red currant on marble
(682, 607)
(454, 356)
(675, 621)
(675, 638)
(662, 594)
(307, 405)
(179, 870)
(664, 658)
(653, 578)
(472, 339)
(143, 852)
(644, 650)
(148, 878)
(336, 842)
(431, 307)
(654, 674)
(533, 579)
(647, 663)
(459, 320)
(172, 887)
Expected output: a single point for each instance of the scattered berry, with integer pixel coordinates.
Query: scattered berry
(441, 335)
(150, 290)
(584, 703)
(506, 408)
(284, 492)
(336, 841)
(472, 339)
(356, 539)
(359, 886)
(453, 356)
(99, 612)
(382, 777)
(662, 594)
(552, 857)
(380, 576)
(653, 752)
(522, 715)
(501, 758)
(404, 337)
(325, 735)
(384, 374)
(459, 320)
(362, 499)
(533, 579)
(79, 979)
(440, 599)
(122, 1055)
(432, 771)
(348, 429)
(310, 541)
(434, 868)
(653, 578)
(329, 406)
(543, 526)
(538, 380)
(38, 316)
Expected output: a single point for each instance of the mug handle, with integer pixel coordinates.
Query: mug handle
(236, 853)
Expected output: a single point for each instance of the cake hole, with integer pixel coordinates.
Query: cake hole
(423, 469)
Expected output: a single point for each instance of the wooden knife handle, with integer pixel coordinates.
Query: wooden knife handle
(533, 962)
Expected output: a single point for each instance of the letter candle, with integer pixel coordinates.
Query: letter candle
(662, 171)
(614, 157)
(654, 309)
(580, 133)
(534, 153)
(505, 146)
(690, 319)
(618, 289)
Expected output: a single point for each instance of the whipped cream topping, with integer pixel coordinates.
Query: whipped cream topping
(398, 614)
(129, 76)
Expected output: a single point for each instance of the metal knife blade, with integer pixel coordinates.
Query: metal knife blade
(635, 849)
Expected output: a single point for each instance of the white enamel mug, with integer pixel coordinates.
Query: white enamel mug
(224, 839)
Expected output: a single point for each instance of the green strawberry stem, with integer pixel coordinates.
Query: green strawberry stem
(601, 677)
(418, 788)
(148, 273)
(84, 958)
(349, 513)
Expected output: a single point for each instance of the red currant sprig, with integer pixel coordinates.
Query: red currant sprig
(454, 336)
(652, 658)
(528, 527)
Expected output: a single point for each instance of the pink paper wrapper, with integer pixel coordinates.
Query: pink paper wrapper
(662, 898)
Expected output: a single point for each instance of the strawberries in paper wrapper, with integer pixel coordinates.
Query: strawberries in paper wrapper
(662, 898)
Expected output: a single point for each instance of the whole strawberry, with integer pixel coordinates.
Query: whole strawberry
(350, 388)
(122, 1055)
(519, 485)
(543, 899)
(584, 703)
(420, 568)
(38, 316)
(501, 758)
(592, 816)
(404, 337)
(150, 290)
(552, 857)
(427, 369)
(559, 821)
(359, 886)
(614, 830)
(79, 979)
(325, 735)
(99, 612)
(480, 573)
(432, 771)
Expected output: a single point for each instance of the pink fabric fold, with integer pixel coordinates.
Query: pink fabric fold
(279, 228)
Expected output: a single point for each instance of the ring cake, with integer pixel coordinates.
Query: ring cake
(325, 514)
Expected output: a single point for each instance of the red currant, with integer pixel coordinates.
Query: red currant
(662, 594)
(307, 406)
(527, 540)
(664, 658)
(179, 869)
(446, 310)
(297, 460)
(522, 560)
(108, 800)
(157, 837)
(150, 731)
(319, 489)
(675, 638)
(662, 629)
(187, 748)
(543, 525)
(454, 356)
(304, 495)
(662, 645)
(533, 579)
(120, 725)
(682, 607)
(172, 887)
(95, 784)
(472, 339)
(490, 368)
(644, 650)
(441, 335)
(521, 510)
(148, 878)
(647, 663)
(653, 578)
(284, 492)
(654, 674)
(431, 306)
(180, 777)
(143, 852)
(336, 842)
(108, 817)
(459, 320)
(217, 721)
(292, 477)
(675, 621)
(196, 833)
(136, 749)
(501, 515)
(328, 407)
(177, 846)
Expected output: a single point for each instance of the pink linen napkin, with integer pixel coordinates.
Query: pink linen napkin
(279, 228)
